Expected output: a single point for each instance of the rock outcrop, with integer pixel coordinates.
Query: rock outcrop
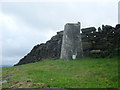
(50, 49)
(105, 39)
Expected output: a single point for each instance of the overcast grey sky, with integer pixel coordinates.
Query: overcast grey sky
(119, 12)
(25, 25)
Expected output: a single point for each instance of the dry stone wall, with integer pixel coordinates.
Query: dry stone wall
(103, 41)
(99, 40)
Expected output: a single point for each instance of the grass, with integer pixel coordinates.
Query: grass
(84, 73)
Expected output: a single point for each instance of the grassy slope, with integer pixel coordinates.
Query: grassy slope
(84, 73)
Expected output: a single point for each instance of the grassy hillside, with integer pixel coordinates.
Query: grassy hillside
(84, 73)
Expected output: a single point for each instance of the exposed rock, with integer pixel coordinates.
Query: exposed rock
(117, 26)
(87, 45)
(50, 49)
(104, 39)
(95, 51)
(99, 29)
(88, 30)
(4, 81)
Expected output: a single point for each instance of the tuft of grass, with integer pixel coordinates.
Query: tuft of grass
(83, 73)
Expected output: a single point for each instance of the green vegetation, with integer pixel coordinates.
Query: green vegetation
(84, 73)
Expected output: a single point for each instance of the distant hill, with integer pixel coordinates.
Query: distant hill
(5, 65)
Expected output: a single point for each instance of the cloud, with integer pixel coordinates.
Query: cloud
(18, 38)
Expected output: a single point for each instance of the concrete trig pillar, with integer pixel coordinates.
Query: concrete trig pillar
(71, 43)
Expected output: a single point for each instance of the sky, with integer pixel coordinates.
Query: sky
(119, 12)
(26, 24)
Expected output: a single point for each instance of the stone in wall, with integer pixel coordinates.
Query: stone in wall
(88, 30)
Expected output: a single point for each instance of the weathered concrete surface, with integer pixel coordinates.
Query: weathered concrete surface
(71, 44)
